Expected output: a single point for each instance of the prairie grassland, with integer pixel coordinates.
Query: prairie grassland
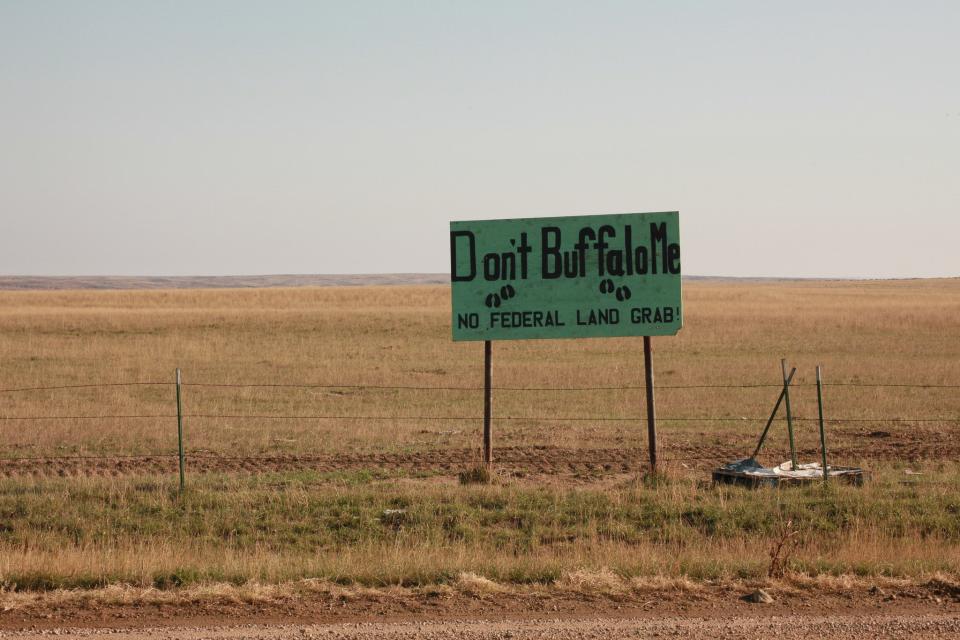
(359, 529)
(890, 332)
(372, 527)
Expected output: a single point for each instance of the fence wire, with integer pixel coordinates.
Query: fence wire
(445, 418)
(269, 416)
(311, 385)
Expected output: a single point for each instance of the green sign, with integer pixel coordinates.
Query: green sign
(570, 277)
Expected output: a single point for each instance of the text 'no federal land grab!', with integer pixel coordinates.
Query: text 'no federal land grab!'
(568, 277)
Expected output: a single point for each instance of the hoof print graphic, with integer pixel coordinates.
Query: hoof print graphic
(622, 292)
(495, 299)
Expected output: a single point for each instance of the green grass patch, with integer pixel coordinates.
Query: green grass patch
(370, 528)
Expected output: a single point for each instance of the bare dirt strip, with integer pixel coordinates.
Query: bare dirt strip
(509, 460)
(929, 610)
(786, 628)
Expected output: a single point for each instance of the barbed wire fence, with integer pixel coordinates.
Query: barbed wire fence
(6, 419)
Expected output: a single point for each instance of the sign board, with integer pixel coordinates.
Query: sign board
(568, 277)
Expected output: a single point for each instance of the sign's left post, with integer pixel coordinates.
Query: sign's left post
(487, 405)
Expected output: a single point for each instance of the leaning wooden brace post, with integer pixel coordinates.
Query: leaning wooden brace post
(786, 402)
(823, 434)
(180, 431)
(487, 405)
(651, 406)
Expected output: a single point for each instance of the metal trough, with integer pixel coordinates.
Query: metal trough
(750, 473)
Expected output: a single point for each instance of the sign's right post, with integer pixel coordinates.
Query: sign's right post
(651, 405)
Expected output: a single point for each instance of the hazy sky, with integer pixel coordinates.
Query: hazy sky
(198, 137)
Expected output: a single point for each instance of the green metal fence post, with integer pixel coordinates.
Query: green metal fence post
(773, 414)
(180, 431)
(786, 402)
(823, 434)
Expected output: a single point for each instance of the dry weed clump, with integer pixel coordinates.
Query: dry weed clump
(478, 474)
(476, 585)
(601, 581)
(945, 585)
(782, 548)
(650, 584)
(843, 583)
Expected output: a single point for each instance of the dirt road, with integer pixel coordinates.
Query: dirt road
(740, 627)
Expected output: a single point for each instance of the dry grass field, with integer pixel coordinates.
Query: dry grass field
(886, 332)
(278, 493)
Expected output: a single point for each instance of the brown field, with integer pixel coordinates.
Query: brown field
(274, 496)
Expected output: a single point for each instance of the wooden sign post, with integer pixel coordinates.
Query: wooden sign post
(487, 404)
(651, 406)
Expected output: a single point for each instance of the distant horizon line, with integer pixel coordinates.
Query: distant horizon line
(125, 282)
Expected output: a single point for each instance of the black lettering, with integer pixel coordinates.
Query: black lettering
(491, 266)
(601, 246)
(468, 320)
(642, 260)
(615, 263)
(508, 266)
(455, 276)
(550, 252)
(524, 249)
(658, 234)
(571, 267)
(581, 248)
(673, 258)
